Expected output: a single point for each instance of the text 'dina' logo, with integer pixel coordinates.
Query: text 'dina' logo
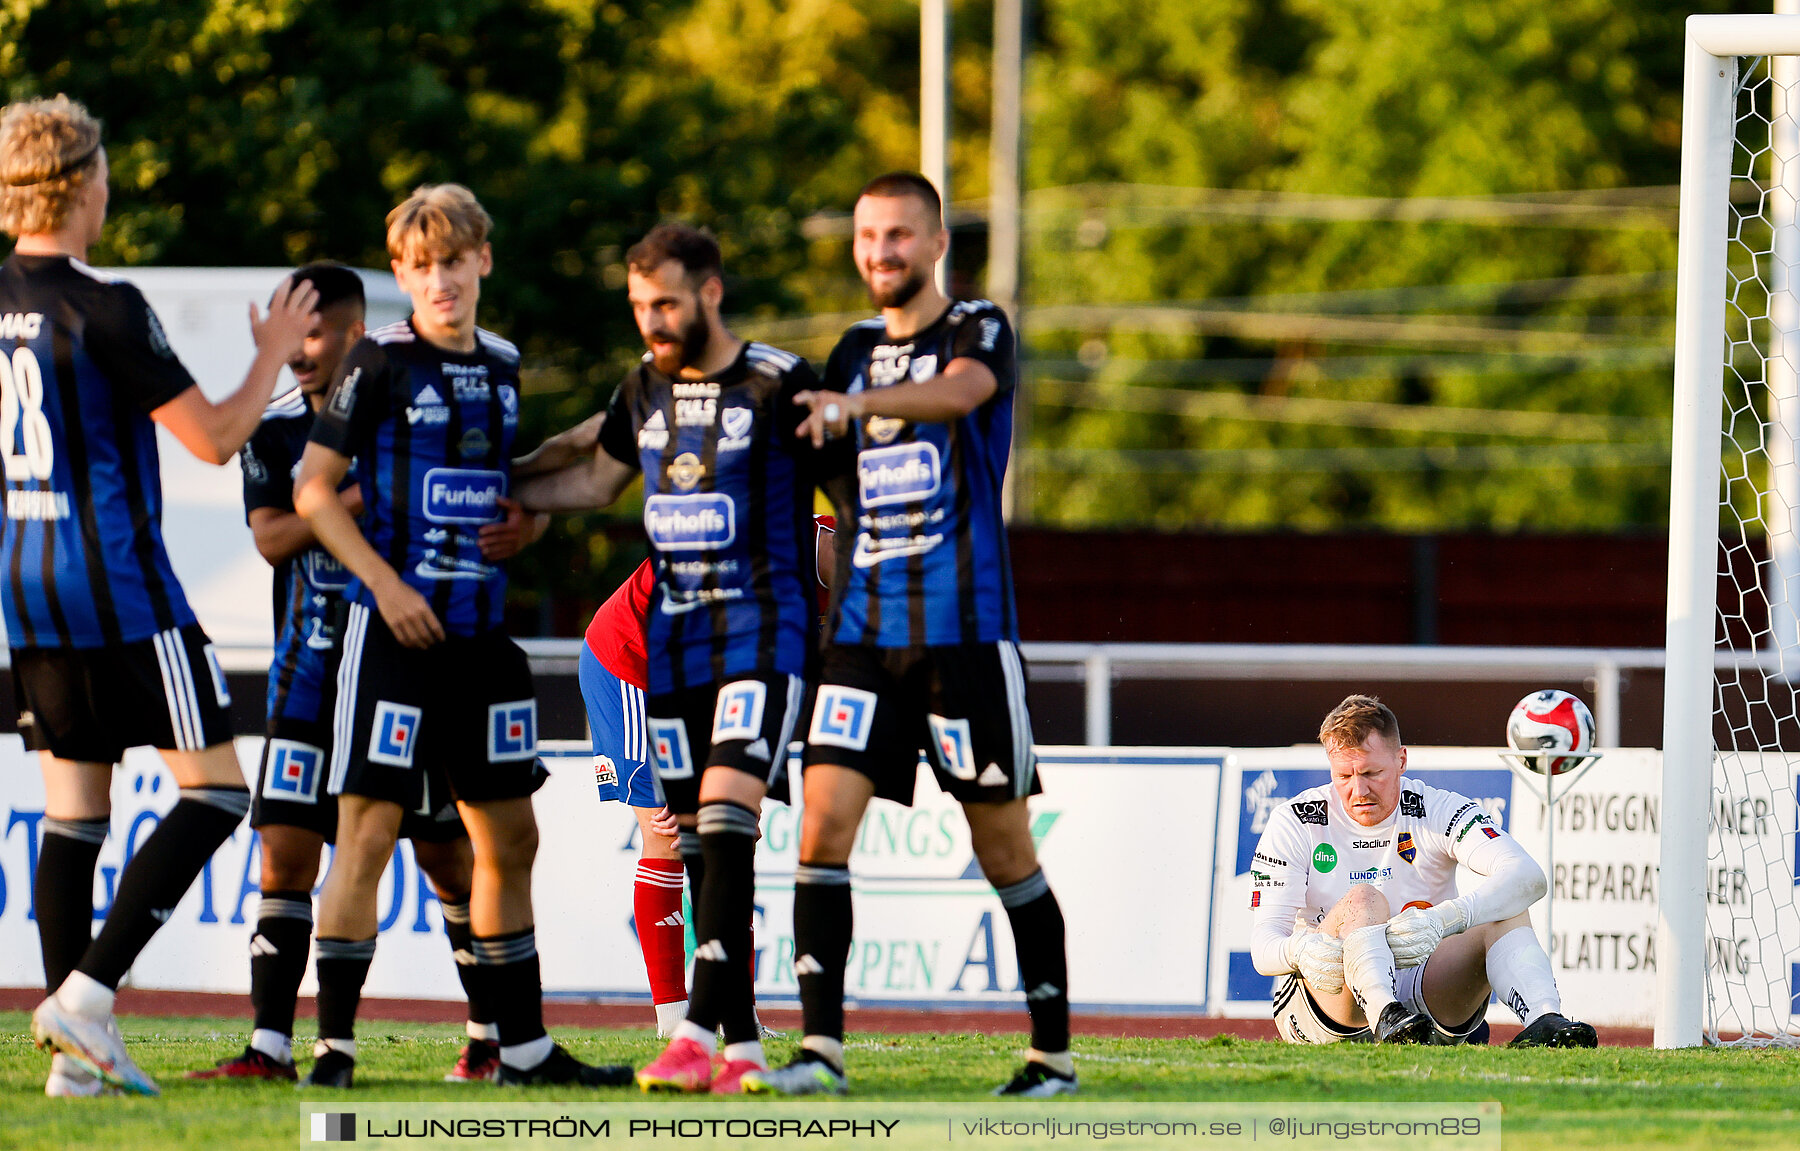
(512, 731)
(294, 771)
(395, 731)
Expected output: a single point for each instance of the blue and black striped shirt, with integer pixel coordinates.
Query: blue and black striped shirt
(431, 432)
(83, 363)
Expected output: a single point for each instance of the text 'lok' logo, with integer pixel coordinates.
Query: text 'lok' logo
(739, 713)
(842, 717)
(294, 771)
(512, 731)
(396, 730)
(334, 1127)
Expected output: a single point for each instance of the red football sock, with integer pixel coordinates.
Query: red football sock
(662, 933)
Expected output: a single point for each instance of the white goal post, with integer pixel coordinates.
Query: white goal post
(1728, 972)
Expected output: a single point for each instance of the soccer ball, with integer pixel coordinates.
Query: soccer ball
(1551, 720)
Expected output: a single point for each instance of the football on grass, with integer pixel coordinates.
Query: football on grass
(1551, 721)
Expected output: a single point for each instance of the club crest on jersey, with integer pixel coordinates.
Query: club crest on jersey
(654, 435)
(901, 474)
(463, 495)
(736, 422)
(690, 523)
(1404, 847)
(393, 734)
(842, 717)
(923, 368)
(686, 472)
(669, 748)
(955, 746)
(739, 712)
(512, 731)
(473, 445)
(295, 770)
(883, 429)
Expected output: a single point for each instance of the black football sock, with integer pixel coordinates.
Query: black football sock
(693, 861)
(160, 874)
(823, 921)
(1037, 927)
(514, 981)
(481, 1011)
(343, 967)
(63, 893)
(278, 958)
(722, 992)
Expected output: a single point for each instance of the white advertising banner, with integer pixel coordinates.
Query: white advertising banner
(929, 929)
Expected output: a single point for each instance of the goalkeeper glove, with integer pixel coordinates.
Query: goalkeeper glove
(1416, 932)
(1319, 959)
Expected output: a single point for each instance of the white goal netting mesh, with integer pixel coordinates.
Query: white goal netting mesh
(1753, 921)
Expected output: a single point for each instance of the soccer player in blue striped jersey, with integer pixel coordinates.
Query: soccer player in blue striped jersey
(433, 697)
(291, 810)
(710, 421)
(923, 639)
(106, 652)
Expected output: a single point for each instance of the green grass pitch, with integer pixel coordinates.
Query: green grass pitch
(1612, 1097)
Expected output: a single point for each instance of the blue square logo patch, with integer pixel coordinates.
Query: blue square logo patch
(395, 731)
(739, 713)
(669, 746)
(843, 717)
(295, 770)
(955, 746)
(512, 731)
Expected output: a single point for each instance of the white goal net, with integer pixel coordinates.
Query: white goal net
(1752, 919)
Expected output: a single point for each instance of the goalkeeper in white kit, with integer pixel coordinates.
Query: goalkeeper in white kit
(1357, 908)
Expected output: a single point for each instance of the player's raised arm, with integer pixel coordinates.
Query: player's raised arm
(215, 431)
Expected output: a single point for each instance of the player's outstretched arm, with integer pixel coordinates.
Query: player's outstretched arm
(407, 613)
(215, 432)
(594, 482)
(964, 385)
(562, 450)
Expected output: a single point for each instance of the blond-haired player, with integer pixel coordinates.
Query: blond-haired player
(1358, 913)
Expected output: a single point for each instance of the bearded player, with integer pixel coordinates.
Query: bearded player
(1357, 906)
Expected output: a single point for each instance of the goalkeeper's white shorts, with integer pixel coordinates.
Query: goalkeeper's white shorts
(1298, 1019)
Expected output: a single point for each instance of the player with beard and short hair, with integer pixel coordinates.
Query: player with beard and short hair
(922, 648)
(292, 812)
(106, 652)
(1357, 909)
(710, 421)
(433, 698)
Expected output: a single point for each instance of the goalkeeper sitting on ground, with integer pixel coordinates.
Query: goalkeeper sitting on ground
(1357, 906)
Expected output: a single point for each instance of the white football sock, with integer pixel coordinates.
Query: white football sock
(752, 1051)
(832, 1050)
(85, 995)
(485, 1031)
(1519, 972)
(1061, 1062)
(1369, 969)
(669, 1016)
(274, 1044)
(524, 1056)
